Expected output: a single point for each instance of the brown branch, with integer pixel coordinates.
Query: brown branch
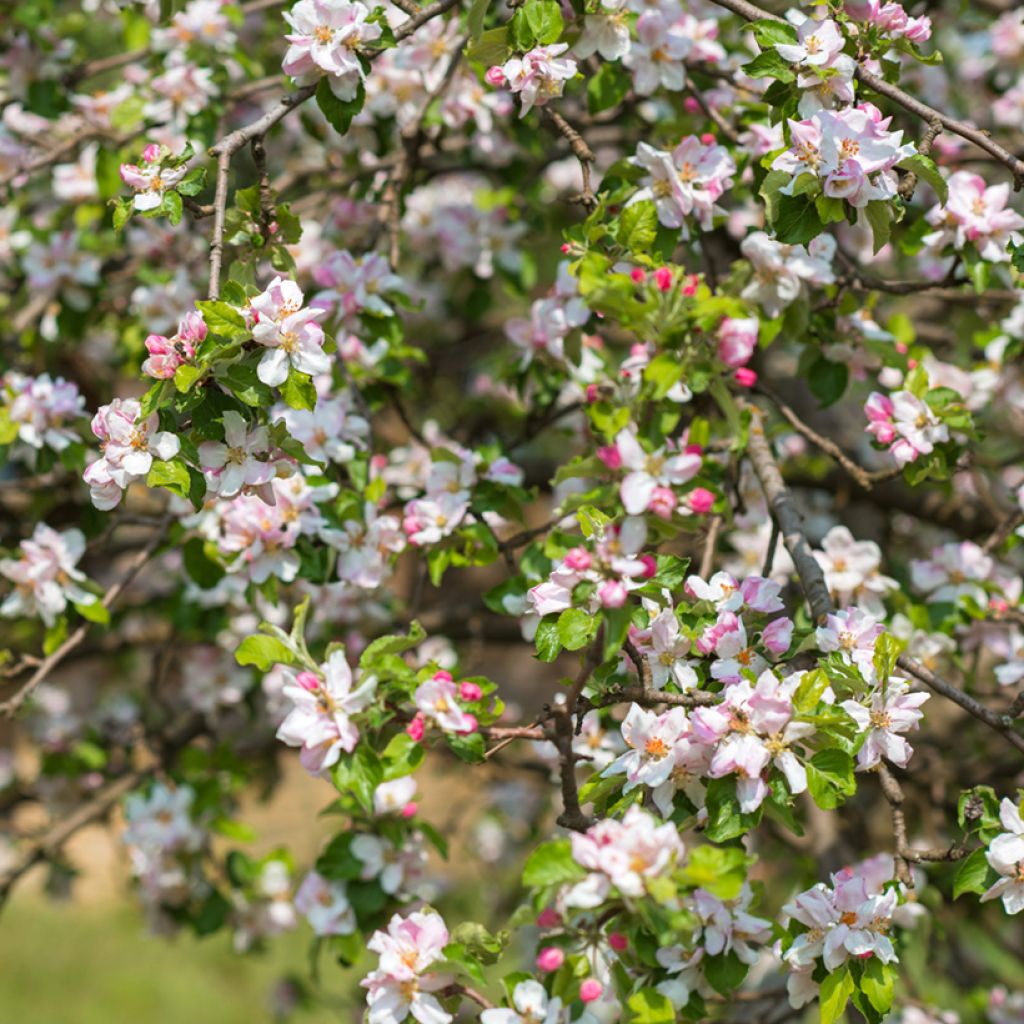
(713, 115)
(866, 478)
(1000, 723)
(583, 153)
(924, 147)
(649, 698)
(785, 513)
(1003, 532)
(643, 666)
(50, 843)
(9, 707)
(707, 561)
(893, 793)
(812, 579)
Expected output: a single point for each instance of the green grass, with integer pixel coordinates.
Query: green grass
(76, 964)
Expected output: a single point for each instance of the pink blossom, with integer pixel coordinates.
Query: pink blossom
(435, 700)
(550, 958)
(778, 635)
(737, 340)
(891, 711)
(590, 990)
(538, 75)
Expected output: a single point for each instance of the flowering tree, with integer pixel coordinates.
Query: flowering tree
(675, 343)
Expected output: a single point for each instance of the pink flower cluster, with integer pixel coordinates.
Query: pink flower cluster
(324, 704)
(622, 855)
(41, 408)
(129, 443)
(850, 151)
(356, 284)
(288, 331)
(537, 76)
(852, 917)
(686, 182)
(167, 354)
(151, 181)
(977, 214)
(325, 40)
(402, 984)
(45, 576)
(905, 424)
(752, 730)
(615, 566)
(891, 19)
(437, 703)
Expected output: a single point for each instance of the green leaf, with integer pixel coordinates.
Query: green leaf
(547, 639)
(171, 206)
(93, 611)
(725, 973)
(769, 32)
(298, 390)
(797, 222)
(402, 756)
(827, 380)
(808, 693)
(576, 628)
(200, 567)
(836, 990)
(648, 1006)
(263, 652)
(223, 320)
(830, 777)
(475, 19)
(637, 226)
(339, 113)
(877, 983)
(545, 20)
(241, 380)
(769, 64)
(171, 474)
(359, 774)
(394, 643)
(608, 88)
(971, 875)
(470, 749)
(551, 864)
(185, 376)
(879, 213)
(926, 170)
(491, 47)
(55, 635)
(123, 210)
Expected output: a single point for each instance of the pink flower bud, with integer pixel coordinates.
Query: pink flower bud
(442, 676)
(694, 449)
(700, 500)
(273, 227)
(612, 594)
(690, 287)
(308, 681)
(691, 106)
(151, 153)
(495, 76)
(590, 990)
(708, 138)
(638, 275)
(550, 958)
(410, 809)
(998, 605)
(912, 364)
(578, 559)
(471, 725)
(745, 377)
(416, 728)
(593, 393)
(737, 339)
(650, 566)
(610, 456)
(778, 635)
(470, 691)
(618, 941)
(663, 502)
(549, 918)
(663, 279)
